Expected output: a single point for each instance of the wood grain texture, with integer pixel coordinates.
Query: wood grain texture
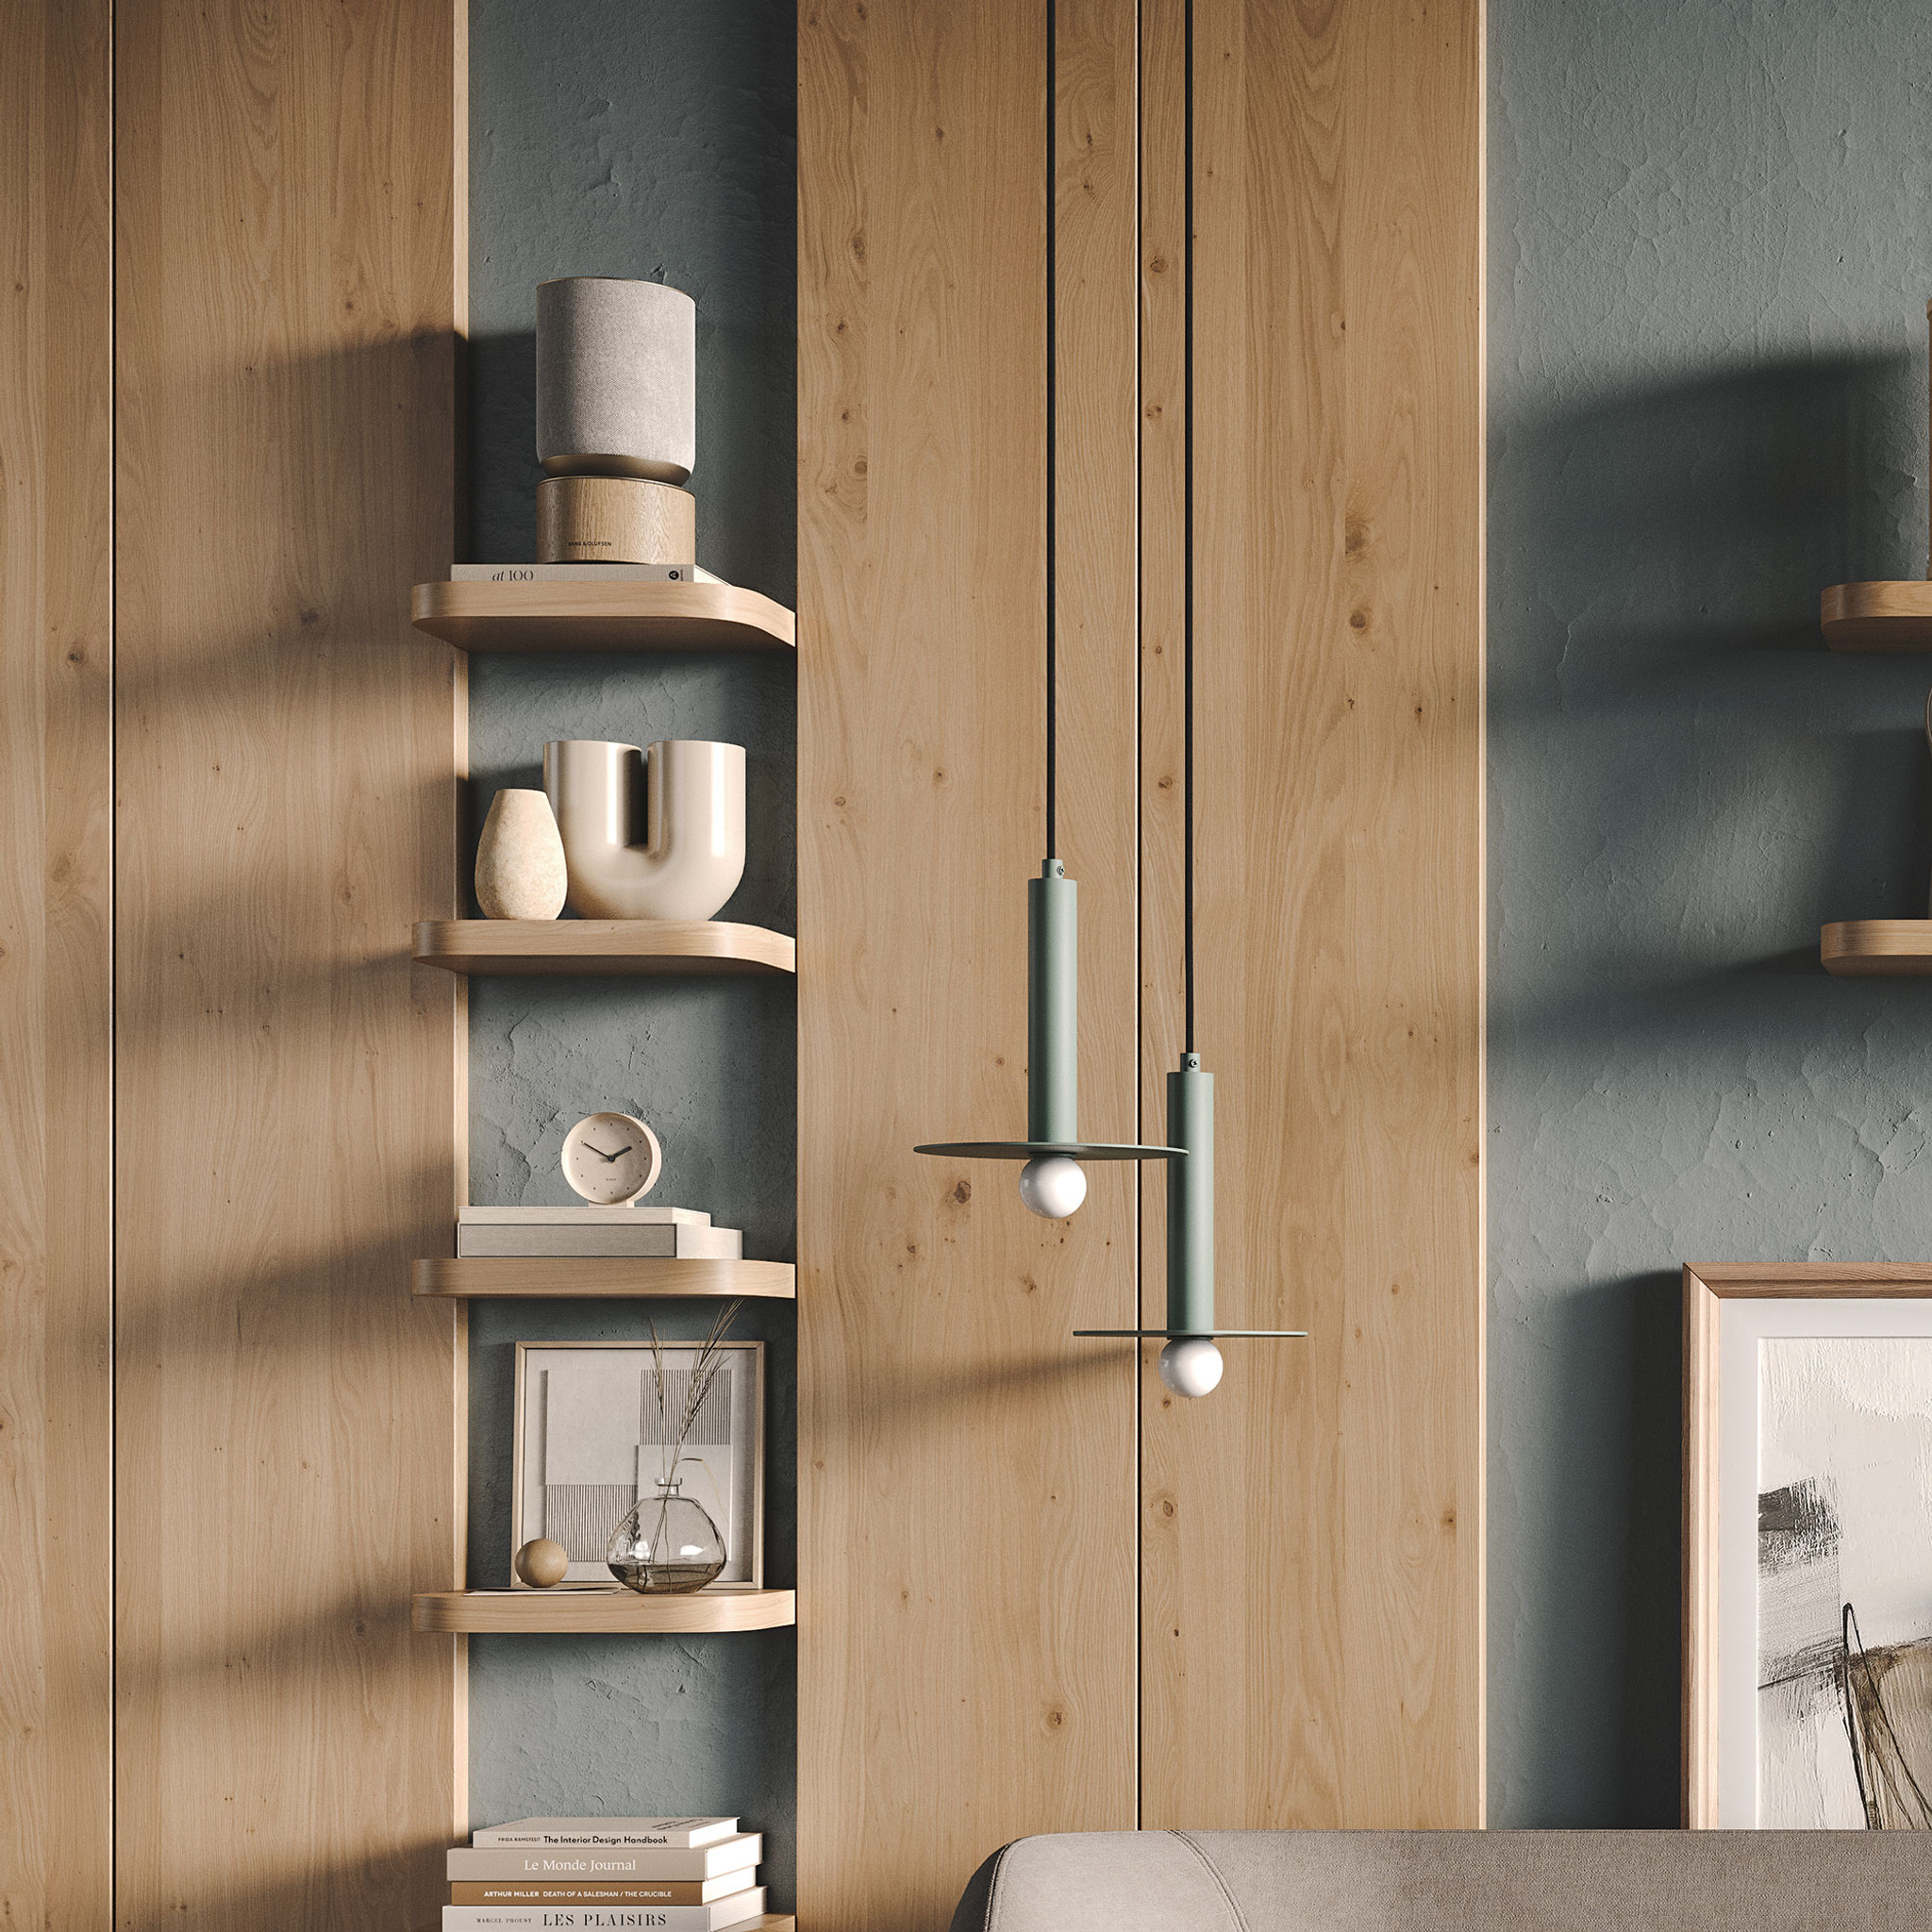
(284, 377)
(1895, 616)
(56, 967)
(615, 520)
(966, 1574)
(1723, 1279)
(599, 1277)
(601, 617)
(1700, 1631)
(1313, 1535)
(1877, 948)
(622, 948)
(590, 1612)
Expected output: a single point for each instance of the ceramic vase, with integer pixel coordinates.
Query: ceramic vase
(617, 387)
(521, 872)
(648, 835)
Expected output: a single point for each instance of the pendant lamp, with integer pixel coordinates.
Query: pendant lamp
(1051, 1181)
(1190, 1363)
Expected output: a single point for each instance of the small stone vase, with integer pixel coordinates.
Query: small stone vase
(520, 866)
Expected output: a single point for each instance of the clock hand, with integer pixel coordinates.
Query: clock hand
(595, 1149)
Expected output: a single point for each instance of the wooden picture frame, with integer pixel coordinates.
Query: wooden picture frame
(1730, 1308)
(746, 1569)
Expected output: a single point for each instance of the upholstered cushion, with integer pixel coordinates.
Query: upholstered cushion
(1454, 1881)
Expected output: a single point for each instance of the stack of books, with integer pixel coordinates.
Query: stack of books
(684, 1234)
(577, 1874)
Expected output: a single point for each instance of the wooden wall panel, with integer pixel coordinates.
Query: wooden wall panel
(966, 1470)
(56, 968)
(1313, 1533)
(288, 1418)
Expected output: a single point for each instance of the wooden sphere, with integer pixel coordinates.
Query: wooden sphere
(542, 1562)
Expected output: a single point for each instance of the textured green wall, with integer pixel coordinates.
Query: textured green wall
(651, 140)
(1710, 248)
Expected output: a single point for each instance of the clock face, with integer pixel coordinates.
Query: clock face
(611, 1157)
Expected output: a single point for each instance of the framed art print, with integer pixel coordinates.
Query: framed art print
(592, 1436)
(1807, 1547)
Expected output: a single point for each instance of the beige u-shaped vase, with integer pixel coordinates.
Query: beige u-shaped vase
(691, 855)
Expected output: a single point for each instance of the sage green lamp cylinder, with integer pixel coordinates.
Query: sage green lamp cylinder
(1190, 1363)
(1052, 1184)
(1053, 1005)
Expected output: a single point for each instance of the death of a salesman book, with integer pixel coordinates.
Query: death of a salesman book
(731, 1911)
(649, 1891)
(635, 1834)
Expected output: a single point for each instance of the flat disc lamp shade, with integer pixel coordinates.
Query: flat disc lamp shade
(1190, 1364)
(1053, 1041)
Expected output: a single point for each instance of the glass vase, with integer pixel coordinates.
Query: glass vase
(666, 1544)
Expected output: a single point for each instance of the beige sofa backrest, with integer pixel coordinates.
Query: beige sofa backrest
(1455, 1881)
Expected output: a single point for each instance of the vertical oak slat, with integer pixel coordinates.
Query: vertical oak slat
(966, 1600)
(287, 302)
(1312, 1534)
(56, 967)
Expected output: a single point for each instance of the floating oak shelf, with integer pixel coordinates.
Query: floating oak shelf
(602, 617)
(1895, 616)
(726, 1606)
(1877, 948)
(600, 1277)
(627, 948)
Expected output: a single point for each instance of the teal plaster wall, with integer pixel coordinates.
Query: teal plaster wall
(637, 138)
(1710, 248)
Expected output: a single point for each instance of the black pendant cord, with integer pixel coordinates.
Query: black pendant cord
(1187, 552)
(1052, 425)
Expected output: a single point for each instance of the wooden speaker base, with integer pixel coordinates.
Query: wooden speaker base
(615, 520)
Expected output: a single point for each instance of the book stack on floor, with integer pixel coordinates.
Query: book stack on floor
(683, 1233)
(576, 1874)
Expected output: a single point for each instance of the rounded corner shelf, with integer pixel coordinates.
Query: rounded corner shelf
(601, 1613)
(599, 1277)
(1034, 1150)
(1885, 615)
(608, 948)
(627, 616)
(1877, 948)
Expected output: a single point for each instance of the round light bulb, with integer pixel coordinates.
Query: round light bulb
(1191, 1366)
(1053, 1186)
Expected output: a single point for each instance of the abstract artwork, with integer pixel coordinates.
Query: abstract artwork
(1808, 1545)
(1844, 1582)
(592, 1438)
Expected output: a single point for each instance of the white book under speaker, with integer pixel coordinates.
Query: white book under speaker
(682, 1233)
(581, 574)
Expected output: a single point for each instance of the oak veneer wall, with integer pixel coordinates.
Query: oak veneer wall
(1037, 1594)
(1312, 1547)
(966, 1471)
(224, 750)
(287, 282)
(56, 967)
